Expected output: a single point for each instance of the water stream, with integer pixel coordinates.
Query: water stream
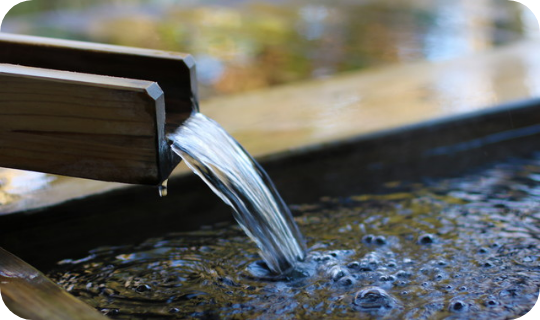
(242, 184)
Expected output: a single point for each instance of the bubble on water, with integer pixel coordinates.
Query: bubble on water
(442, 263)
(380, 240)
(355, 265)
(387, 278)
(458, 306)
(373, 299)
(336, 273)
(346, 281)
(368, 239)
(439, 277)
(448, 288)
(368, 266)
(426, 239)
(491, 303)
(483, 250)
(403, 274)
(391, 264)
(324, 258)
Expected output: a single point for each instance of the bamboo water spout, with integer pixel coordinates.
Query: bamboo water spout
(90, 110)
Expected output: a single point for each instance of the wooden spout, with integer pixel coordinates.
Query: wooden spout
(90, 110)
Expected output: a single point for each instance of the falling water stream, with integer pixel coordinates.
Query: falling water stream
(242, 184)
(466, 247)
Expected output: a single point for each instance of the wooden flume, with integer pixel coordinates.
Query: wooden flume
(91, 110)
(31, 295)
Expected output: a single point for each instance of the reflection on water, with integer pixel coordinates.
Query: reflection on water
(459, 27)
(461, 248)
(14, 183)
(243, 45)
(464, 87)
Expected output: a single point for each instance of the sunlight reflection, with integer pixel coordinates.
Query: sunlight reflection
(257, 44)
(460, 27)
(15, 182)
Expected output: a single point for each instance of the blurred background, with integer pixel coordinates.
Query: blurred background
(244, 45)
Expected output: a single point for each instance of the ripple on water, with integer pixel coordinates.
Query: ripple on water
(458, 248)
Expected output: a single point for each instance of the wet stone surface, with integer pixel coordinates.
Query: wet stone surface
(460, 248)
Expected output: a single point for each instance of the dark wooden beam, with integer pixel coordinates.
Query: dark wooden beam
(83, 125)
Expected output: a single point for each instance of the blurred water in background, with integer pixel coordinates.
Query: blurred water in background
(244, 45)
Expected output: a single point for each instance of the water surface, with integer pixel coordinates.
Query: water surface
(460, 248)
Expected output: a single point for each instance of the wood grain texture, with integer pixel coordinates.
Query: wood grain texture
(174, 72)
(31, 295)
(82, 125)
